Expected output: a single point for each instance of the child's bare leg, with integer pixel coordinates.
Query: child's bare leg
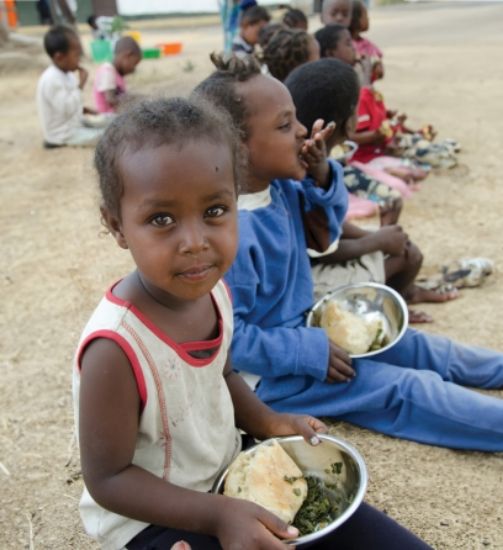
(400, 274)
(403, 273)
(390, 212)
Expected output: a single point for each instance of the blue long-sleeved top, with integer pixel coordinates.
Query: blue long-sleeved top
(271, 281)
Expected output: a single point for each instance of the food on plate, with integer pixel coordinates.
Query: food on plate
(268, 477)
(323, 504)
(351, 332)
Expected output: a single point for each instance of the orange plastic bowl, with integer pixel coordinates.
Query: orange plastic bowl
(170, 48)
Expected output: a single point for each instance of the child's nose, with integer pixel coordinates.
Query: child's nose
(302, 131)
(193, 239)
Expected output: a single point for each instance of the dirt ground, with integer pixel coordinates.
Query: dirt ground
(442, 67)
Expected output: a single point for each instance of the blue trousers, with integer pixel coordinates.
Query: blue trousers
(414, 391)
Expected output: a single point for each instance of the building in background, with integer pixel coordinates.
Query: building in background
(27, 12)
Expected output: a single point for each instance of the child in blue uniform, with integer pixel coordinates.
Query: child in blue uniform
(157, 403)
(415, 389)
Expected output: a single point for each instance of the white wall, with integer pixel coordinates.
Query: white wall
(146, 7)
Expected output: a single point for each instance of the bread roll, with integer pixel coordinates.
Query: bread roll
(270, 478)
(347, 330)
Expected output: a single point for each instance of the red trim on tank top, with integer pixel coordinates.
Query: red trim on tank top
(181, 349)
(125, 346)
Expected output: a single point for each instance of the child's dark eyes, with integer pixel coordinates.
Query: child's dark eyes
(216, 211)
(161, 220)
(285, 127)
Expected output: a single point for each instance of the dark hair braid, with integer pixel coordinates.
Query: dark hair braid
(287, 49)
(219, 88)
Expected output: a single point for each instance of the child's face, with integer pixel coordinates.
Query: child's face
(69, 61)
(345, 50)
(250, 32)
(275, 136)
(178, 216)
(126, 63)
(364, 20)
(313, 49)
(336, 11)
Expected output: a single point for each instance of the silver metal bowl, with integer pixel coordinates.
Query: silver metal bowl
(369, 301)
(346, 151)
(351, 481)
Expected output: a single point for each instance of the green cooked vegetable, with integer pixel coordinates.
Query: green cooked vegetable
(319, 509)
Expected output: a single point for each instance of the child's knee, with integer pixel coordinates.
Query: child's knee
(414, 256)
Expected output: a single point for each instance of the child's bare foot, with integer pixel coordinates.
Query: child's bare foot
(417, 317)
(407, 173)
(417, 294)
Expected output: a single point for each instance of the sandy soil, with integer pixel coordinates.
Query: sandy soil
(442, 67)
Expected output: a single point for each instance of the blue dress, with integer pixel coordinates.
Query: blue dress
(414, 390)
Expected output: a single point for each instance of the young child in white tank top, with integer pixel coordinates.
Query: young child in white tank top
(157, 404)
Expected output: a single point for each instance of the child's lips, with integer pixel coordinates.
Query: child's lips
(197, 272)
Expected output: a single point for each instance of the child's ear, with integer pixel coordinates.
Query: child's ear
(114, 225)
(57, 57)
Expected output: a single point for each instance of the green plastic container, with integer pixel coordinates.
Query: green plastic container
(101, 51)
(151, 53)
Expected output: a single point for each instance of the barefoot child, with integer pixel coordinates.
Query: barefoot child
(157, 404)
(59, 92)
(109, 84)
(328, 89)
(414, 389)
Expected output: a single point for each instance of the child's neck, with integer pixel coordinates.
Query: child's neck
(255, 184)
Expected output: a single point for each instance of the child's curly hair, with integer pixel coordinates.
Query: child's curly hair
(287, 49)
(220, 87)
(295, 19)
(151, 124)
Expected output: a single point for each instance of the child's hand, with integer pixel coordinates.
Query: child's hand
(298, 424)
(314, 151)
(392, 240)
(339, 365)
(402, 117)
(379, 136)
(247, 526)
(83, 76)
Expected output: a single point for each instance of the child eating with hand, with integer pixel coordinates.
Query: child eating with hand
(414, 390)
(59, 92)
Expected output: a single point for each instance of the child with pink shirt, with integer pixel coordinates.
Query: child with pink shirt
(109, 84)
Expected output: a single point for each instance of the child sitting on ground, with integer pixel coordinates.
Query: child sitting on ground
(383, 136)
(109, 85)
(414, 389)
(253, 19)
(59, 92)
(335, 42)
(157, 428)
(328, 90)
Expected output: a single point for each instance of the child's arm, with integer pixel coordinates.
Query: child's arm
(109, 416)
(368, 137)
(261, 422)
(280, 351)
(355, 242)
